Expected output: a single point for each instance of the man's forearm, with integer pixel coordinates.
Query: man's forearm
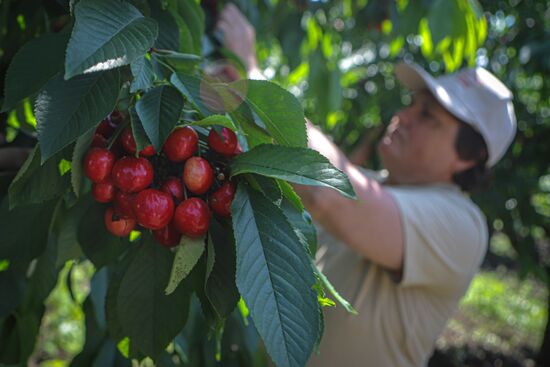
(321, 143)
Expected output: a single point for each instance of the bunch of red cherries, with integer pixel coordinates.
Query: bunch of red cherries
(165, 192)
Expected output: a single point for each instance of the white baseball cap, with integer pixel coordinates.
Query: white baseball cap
(473, 95)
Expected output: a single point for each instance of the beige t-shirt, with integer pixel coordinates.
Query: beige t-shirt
(399, 320)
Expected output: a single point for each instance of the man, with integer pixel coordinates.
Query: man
(405, 252)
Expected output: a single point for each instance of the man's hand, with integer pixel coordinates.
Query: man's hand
(239, 37)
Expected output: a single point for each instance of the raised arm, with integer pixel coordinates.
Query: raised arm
(239, 36)
(370, 225)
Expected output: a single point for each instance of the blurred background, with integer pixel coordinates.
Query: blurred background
(338, 57)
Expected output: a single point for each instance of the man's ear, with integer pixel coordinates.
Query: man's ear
(463, 165)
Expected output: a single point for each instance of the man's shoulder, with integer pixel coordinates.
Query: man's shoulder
(444, 208)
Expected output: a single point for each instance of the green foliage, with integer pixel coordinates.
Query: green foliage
(81, 147)
(219, 286)
(19, 245)
(146, 315)
(279, 296)
(28, 186)
(25, 76)
(159, 110)
(107, 35)
(98, 244)
(298, 165)
(148, 57)
(188, 252)
(500, 313)
(142, 70)
(506, 301)
(277, 109)
(66, 109)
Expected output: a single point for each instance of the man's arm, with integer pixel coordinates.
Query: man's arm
(239, 37)
(370, 225)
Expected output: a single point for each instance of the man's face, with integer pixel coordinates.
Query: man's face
(418, 147)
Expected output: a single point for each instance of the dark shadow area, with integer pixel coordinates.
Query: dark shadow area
(474, 356)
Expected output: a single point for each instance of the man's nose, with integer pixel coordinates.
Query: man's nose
(403, 118)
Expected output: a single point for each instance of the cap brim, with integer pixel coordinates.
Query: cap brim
(416, 78)
(413, 76)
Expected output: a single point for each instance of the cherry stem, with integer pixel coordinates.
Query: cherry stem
(115, 135)
(185, 195)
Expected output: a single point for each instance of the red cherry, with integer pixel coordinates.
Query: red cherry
(181, 144)
(105, 128)
(120, 227)
(104, 191)
(124, 205)
(154, 209)
(98, 164)
(192, 217)
(226, 145)
(148, 151)
(129, 144)
(131, 174)
(238, 150)
(197, 175)
(116, 117)
(99, 141)
(173, 187)
(167, 236)
(220, 200)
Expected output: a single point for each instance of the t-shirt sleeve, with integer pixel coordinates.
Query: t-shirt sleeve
(445, 238)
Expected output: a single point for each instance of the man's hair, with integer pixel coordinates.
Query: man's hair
(470, 146)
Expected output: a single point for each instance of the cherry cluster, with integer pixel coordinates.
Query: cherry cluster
(166, 192)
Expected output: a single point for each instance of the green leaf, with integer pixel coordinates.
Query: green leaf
(290, 195)
(168, 34)
(35, 184)
(114, 327)
(44, 276)
(150, 318)
(25, 76)
(178, 61)
(255, 135)
(140, 136)
(267, 186)
(190, 86)
(142, 70)
(188, 253)
(446, 19)
(302, 224)
(326, 283)
(192, 16)
(275, 278)
(159, 110)
(12, 284)
(107, 34)
(65, 226)
(220, 288)
(277, 108)
(19, 244)
(215, 120)
(95, 335)
(81, 147)
(98, 244)
(111, 309)
(67, 109)
(298, 165)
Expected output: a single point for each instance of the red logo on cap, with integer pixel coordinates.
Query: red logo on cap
(467, 78)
